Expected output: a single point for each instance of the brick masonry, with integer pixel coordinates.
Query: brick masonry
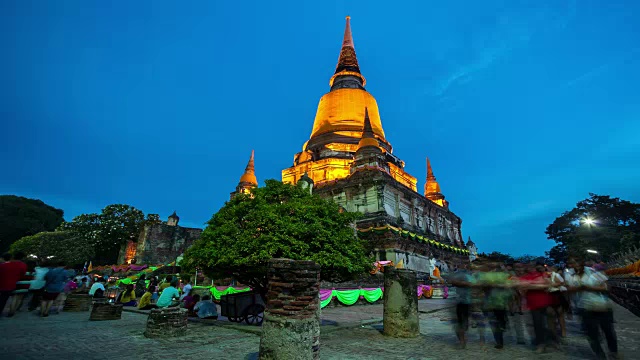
(293, 288)
(106, 311)
(291, 329)
(169, 322)
(161, 243)
(77, 302)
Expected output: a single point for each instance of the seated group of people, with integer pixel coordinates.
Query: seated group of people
(169, 296)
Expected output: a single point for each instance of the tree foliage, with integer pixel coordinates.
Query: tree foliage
(600, 222)
(558, 254)
(21, 217)
(108, 231)
(506, 258)
(278, 221)
(497, 256)
(55, 246)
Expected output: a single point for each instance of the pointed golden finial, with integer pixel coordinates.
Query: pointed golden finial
(432, 188)
(249, 175)
(368, 138)
(348, 38)
(347, 61)
(430, 171)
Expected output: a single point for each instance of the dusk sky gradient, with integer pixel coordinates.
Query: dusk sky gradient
(524, 107)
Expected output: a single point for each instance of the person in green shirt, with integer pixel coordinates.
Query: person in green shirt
(498, 295)
(168, 295)
(464, 282)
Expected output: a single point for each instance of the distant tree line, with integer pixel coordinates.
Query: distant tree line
(39, 230)
(600, 226)
(20, 216)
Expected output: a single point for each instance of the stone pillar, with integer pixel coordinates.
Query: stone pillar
(291, 328)
(400, 303)
(168, 322)
(106, 311)
(77, 302)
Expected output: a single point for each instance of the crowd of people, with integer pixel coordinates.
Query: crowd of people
(45, 286)
(500, 293)
(504, 293)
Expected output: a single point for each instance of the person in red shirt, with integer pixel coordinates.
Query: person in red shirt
(536, 284)
(10, 273)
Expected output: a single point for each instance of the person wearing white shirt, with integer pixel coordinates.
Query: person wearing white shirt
(560, 303)
(597, 309)
(99, 285)
(186, 289)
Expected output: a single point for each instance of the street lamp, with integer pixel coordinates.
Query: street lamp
(592, 251)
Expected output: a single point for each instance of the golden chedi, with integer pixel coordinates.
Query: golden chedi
(248, 179)
(338, 124)
(349, 159)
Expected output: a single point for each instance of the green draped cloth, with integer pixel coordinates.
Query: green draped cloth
(230, 290)
(350, 297)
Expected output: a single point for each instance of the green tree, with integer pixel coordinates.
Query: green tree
(20, 217)
(525, 259)
(56, 246)
(108, 231)
(601, 223)
(278, 221)
(152, 219)
(497, 256)
(557, 254)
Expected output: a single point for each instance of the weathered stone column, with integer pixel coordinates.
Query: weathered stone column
(400, 303)
(77, 302)
(106, 311)
(166, 322)
(291, 328)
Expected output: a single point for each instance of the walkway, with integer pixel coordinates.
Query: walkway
(72, 336)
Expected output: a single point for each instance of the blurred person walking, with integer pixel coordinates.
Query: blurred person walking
(535, 283)
(11, 272)
(463, 281)
(597, 310)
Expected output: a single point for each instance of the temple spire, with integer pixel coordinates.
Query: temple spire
(348, 38)
(367, 131)
(430, 175)
(432, 188)
(368, 138)
(347, 61)
(249, 175)
(369, 153)
(248, 180)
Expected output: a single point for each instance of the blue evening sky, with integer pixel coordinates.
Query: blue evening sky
(524, 107)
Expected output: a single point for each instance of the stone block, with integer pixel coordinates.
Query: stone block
(400, 303)
(77, 302)
(168, 322)
(106, 311)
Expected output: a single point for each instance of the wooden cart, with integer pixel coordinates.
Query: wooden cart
(247, 306)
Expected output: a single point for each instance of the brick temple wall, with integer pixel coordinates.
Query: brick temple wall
(162, 244)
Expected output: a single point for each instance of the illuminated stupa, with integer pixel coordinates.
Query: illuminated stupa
(337, 128)
(248, 179)
(348, 158)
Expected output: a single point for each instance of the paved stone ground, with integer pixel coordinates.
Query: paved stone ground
(72, 336)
